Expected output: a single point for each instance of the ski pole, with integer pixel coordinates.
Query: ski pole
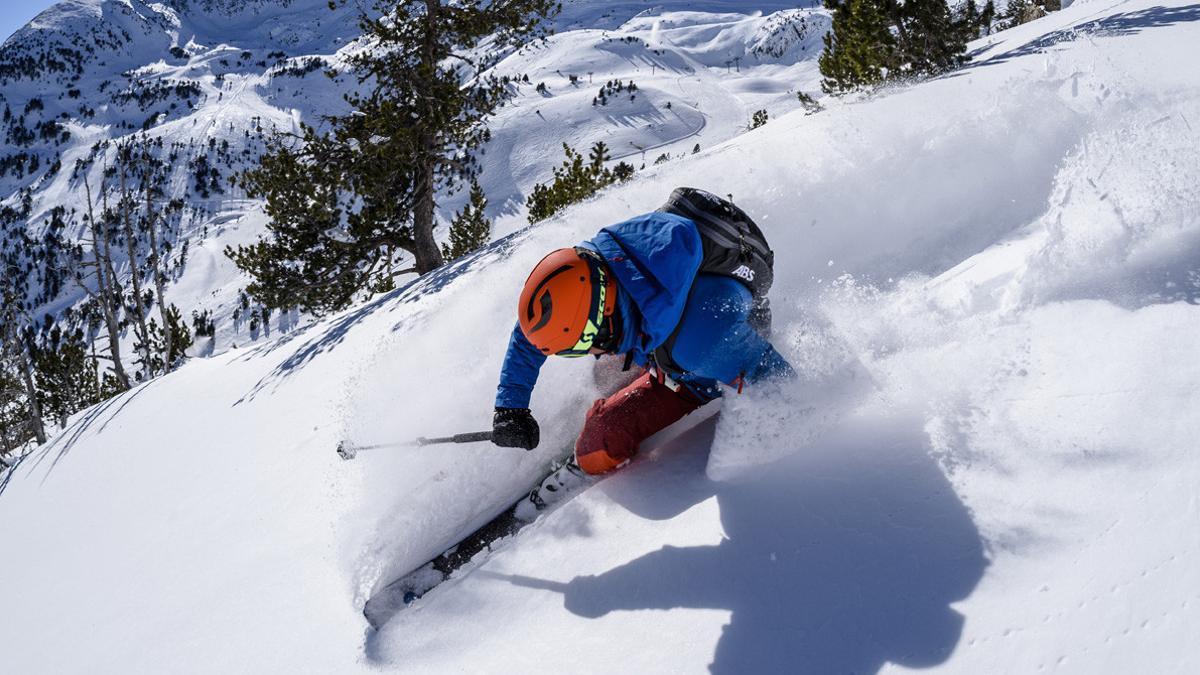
(469, 437)
(348, 450)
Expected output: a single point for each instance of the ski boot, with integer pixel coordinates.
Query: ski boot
(565, 478)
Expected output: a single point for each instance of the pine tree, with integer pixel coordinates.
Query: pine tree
(19, 423)
(810, 104)
(1017, 12)
(471, 228)
(877, 40)
(346, 203)
(135, 308)
(320, 252)
(931, 40)
(859, 49)
(16, 362)
(106, 296)
(67, 377)
(986, 19)
(170, 345)
(13, 411)
(575, 181)
(177, 338)
(152, 218)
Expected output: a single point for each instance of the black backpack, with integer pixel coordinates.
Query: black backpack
(734, 246)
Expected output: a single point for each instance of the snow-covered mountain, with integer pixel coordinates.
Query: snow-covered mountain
(989, 282)
(200, 82)
(206, 81)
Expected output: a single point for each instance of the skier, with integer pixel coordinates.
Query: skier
(680, 292)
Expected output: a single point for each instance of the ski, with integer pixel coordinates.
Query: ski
(564, 481)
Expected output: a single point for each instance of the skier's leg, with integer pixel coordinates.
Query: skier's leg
(616, 425)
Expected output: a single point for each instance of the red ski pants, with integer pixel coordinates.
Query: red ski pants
(616, 425)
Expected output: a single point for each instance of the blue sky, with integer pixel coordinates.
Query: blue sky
(17, 13)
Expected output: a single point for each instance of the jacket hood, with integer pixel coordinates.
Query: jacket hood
(654, 258)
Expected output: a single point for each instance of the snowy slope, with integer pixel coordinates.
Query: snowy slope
(989, 282)
(699, 77)
(577, 14)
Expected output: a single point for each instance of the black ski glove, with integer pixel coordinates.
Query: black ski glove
(514, 428)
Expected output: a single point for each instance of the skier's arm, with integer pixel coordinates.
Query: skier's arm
(716, 339)
(770, 364)
(743, 355)
(519, 373)
(625, 587)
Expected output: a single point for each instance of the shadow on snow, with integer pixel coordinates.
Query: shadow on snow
(1126, 23)
(841, 558)
(62, 444)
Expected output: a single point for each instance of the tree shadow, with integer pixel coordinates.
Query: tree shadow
(838, 559)
(634, 119)
(57, 447)
(8, 468)
(640, 55)
(1126, 23)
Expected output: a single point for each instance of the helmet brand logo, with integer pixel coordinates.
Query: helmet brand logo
(744, 272)
(547, 307)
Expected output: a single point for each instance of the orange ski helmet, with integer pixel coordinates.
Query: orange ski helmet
(565, 302)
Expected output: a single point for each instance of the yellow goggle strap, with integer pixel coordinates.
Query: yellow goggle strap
(584, 346)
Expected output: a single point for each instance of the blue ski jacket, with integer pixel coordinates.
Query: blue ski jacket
(655, 259)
